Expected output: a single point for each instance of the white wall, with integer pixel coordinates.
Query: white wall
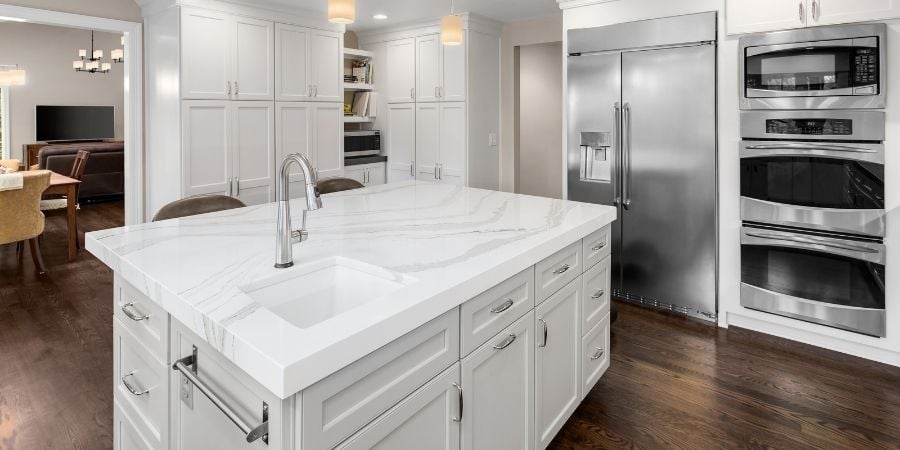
(730, 311)
(46, 53)
(548, 29)
(539, 103)
(110, 9)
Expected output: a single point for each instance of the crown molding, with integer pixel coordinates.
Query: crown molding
(259, 9)
(568, 4)
(471, 22)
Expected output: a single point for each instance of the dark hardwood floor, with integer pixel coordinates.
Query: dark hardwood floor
(672, 383)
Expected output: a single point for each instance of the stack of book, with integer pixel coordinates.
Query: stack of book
(361, 72)
(363, 104)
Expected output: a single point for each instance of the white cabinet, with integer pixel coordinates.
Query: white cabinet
(441, 142)
(428, 68)
(753, 16)
(498, 390)
(401, 141)
(557, 362)
(428, 140)
(401, 70)
(828, 12)
(314, 130)
(225, 56)
(328, 139)
(357, 173)
(291, 63)
(367, 174)
(453, 73)
(325, 66)
(126, 435)
(254, 151)
(594, 355)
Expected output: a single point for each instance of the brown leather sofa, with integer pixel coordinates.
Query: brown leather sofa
(104, 173)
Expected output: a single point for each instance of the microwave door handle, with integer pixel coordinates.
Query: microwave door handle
(761, 49)
(801, 146)
(811, 241)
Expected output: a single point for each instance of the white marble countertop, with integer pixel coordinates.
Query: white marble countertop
(453, 242)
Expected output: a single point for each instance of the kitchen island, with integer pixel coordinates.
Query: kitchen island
(416, 314)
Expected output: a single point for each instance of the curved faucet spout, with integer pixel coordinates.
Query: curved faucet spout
(285, 236)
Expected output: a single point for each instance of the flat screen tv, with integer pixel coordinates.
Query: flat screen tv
(74, 123)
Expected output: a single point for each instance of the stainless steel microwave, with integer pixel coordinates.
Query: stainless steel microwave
(836, 67)
(362, 143)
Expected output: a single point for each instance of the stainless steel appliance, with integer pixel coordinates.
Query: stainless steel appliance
(642, 137)
(362, 143)
(822, 67)
(819, 169)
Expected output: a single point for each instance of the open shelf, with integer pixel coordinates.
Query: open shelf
(357, 119)
(353, 53)
(358, 87)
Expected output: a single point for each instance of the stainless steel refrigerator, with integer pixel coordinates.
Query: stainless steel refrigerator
(642, 137)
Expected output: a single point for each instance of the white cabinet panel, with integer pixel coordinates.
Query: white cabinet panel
(453, 73)
(752, 16)
(291, 61)
(557, 365)
(357, 173)
(253, 59)
(293, 128)
(328, 140)
(254, 152)
(428, 140)
(498, 390)
(205, 54)
(596, 294)
(594, 355)
(401, 141)
(596, 246)
(206, 143)
(325, 66)
(482, 317)
(126, 433)
(401, 70)
(428, 68)
(829, 12)
(556, 271)
(376, 175)
(453, 143)
(141, 385)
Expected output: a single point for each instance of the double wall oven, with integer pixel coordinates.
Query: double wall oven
(812, 162)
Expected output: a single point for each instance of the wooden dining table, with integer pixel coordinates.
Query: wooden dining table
(63, 185)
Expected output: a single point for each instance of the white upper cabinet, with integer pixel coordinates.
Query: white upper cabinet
(452, 167)
(401, 71)
(753, 16)
(253, 59)
(325, 66)
(827, 12)
(401, 141)
(205, 55)
(453, 73)
(428, 68)
(206, 144)
(291, 62)
(254, 151)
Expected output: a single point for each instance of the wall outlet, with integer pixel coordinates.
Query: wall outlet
(492, 139)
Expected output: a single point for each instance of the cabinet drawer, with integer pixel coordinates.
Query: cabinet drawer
(426, 419)
(596, 246)
(595, 295)
(142, 317)
(557, 271)
(338, 406)
(141, 384)
(594, 355)
(126, 435)
(495, 309)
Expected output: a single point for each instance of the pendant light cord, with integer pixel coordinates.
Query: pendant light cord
(451, 7)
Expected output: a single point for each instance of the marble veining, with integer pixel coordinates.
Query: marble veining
(454, 242)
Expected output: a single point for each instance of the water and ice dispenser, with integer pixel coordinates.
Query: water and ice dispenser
(596, 159)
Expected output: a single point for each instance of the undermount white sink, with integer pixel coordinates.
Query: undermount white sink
(312, 293)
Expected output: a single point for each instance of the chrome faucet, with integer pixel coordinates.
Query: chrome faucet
(285, 237)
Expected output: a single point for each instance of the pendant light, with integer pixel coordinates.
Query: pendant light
(93, 64)
(11, 75)
(342, 11)
(451, 28)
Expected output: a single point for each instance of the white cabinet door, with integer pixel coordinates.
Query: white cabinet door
(254, 59)
(126, 435)
(428, 68)
(829, 12)
(453, 73)
(205, 54)
(453, 143)
(401, 70)
(293, 128)
(427, 419)
(357, 173)
(428, 140)
(557, 362)
(328, 140)
(206, 147)
(325, 66)
(254, 151)
(498, 390)
(752, 16)
(401, 141)
(291, 58)
(376, 175)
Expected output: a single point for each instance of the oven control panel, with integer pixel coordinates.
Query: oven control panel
(832, 127)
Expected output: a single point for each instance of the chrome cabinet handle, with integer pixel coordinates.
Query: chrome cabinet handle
(135, 391)
(626, 155)
(436, 95)
(812, 241)
(237, 183)
(815, 10)
(440, 171)
(801, 11)
(460, 397)
(543, 324)
(617, 137)
(412, 169)
(316, 90)
(505, 343)
(435, 173)
(132, 313)
(236, 89)
(252, 433)
(599, 246)
(231, 187)
(503, 306)
(412, 93)
(228, 87)
(562, 269)
(598, 294)
(597, 354)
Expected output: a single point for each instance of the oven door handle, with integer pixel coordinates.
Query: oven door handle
(802, 146)
(812, 241)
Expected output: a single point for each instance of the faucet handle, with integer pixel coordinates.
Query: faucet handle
(299, 236)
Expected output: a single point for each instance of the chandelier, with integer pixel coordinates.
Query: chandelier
(94, 64)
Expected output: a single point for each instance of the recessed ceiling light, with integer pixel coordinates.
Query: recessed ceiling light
(379, 16)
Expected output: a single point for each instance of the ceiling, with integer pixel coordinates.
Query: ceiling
(401, 12)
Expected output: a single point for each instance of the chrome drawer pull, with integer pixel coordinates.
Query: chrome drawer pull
(598, 354)
(502, 307)
(599, 246)
(132, 313)
(460, 393)
(562, 269)
(506, 342)
(131, 388)
(598, 294)
(544, 324)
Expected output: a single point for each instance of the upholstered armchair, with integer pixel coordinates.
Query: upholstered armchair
(22, 216)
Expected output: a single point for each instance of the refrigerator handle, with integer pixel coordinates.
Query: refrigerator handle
(626, 154)
(617, 150)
